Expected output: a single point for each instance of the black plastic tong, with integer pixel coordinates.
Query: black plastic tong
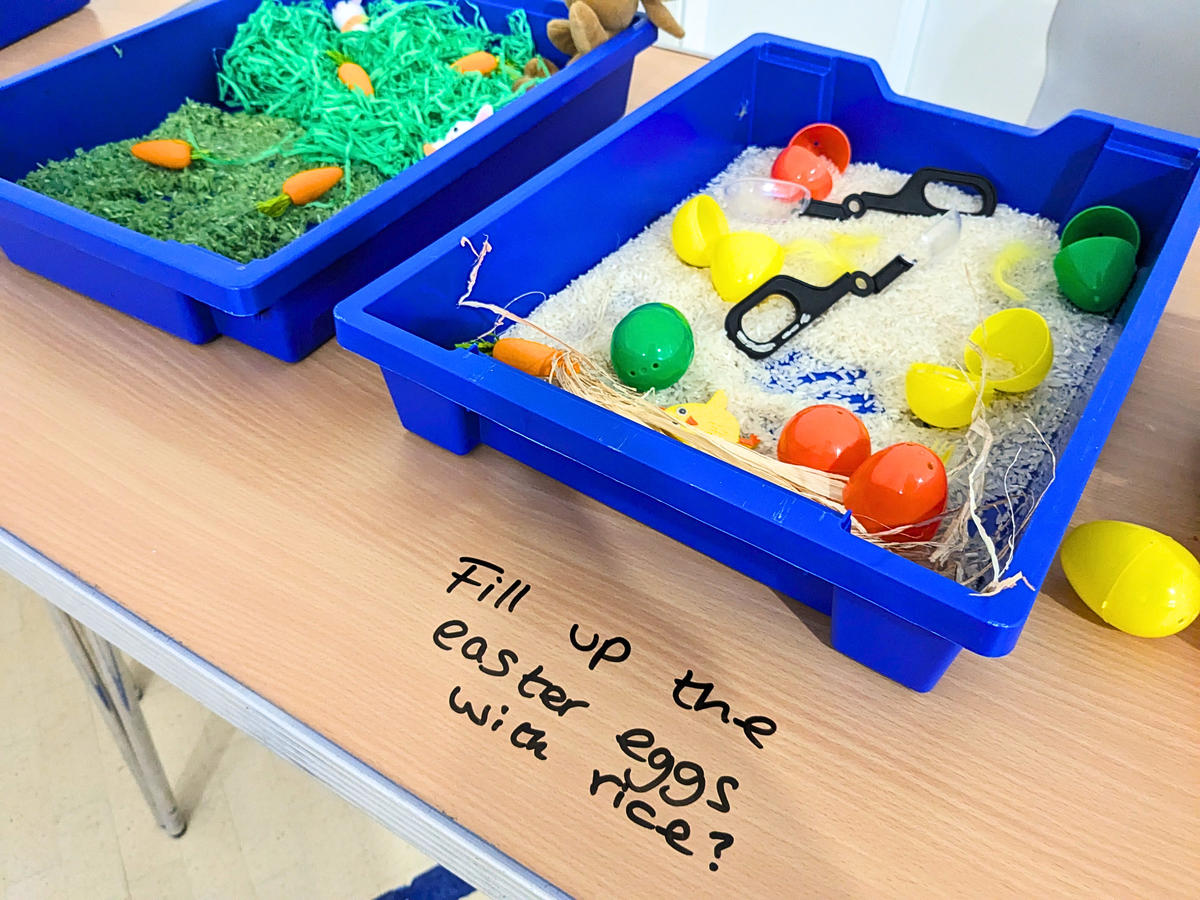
(808, 300)
(910, 199)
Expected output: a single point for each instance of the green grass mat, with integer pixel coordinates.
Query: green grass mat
(206, 204)
(297, 115)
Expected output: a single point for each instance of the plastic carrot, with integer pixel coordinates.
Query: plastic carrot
(480, 61)
(351, 74)
(303, 187)
(169, 153)
(528, 356)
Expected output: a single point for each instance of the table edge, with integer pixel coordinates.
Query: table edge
(401, 812)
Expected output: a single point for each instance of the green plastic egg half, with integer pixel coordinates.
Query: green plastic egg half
(652, 347)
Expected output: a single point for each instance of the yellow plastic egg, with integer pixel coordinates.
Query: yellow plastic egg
(742, 261)
(696, 228)
(1019, 338)
(1133, 577)
(941, 396)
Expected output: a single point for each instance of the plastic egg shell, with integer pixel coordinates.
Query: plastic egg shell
(904, 484)
(826, 437)
(743, 261)
(1132, 577)
(696, 228)
(652, 346)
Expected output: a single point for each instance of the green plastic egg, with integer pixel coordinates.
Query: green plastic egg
(652, 346)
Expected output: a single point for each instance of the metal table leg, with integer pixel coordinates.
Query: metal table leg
(106, 675)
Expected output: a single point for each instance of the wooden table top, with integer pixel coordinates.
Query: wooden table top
(276, 520)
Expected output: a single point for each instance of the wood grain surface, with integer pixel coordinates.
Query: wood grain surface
(279, 522)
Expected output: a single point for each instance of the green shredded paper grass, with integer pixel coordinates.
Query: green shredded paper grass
(296, 114)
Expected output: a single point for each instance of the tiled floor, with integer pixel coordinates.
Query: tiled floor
(73, 823)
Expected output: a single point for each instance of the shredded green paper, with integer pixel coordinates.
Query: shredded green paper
(278, 65)
(297, 115)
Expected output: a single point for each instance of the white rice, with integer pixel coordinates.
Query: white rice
(858, 352)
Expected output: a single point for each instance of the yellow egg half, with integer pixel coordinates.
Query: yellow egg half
(1019, 337)
(1132, 577)
(696, 228)
(941, 396)
(743, 261)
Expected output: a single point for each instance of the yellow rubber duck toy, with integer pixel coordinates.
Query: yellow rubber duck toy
(713, 418)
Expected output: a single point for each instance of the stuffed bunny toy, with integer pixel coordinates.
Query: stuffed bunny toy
(590, 23)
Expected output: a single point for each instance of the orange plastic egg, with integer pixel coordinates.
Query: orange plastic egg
(801, 165)
(814, 157)
(825, 437)
(903, 484)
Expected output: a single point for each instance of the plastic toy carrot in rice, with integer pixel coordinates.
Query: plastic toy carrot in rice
(171, 153)
(303, 187)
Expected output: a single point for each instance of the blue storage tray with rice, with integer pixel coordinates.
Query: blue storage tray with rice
(894, 613)
(281, 303)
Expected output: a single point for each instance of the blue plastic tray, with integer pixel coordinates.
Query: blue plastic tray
(19, 18)
(281, 304)
(888, 612)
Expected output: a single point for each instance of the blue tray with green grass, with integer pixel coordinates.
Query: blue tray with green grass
(280, 303)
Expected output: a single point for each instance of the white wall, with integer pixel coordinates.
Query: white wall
(985, 56)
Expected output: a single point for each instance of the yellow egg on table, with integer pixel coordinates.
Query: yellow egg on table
(1132, 577)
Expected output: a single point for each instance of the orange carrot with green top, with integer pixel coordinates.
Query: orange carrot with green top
(480, 61)
(169, 153)
(351, 74)
(303, 187)
(528, 356)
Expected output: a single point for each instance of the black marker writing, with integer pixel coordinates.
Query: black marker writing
(753, 727)
(671, 773)
(619, 783)
(523, 737)
(489, 581)
(467, 709)
(474, 649)
(635, 739)
(643, 813)
(675, 782)
(614, 649)
(532, 684)
(553, 697)
(723, 783)
(526, 737)
(724, 842)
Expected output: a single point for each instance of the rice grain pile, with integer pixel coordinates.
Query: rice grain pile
(857, 353)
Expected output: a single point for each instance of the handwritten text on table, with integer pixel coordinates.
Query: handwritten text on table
(659, 785)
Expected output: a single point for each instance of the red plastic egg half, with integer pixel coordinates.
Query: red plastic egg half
(825, 437)
(900, 485)
(813, 157)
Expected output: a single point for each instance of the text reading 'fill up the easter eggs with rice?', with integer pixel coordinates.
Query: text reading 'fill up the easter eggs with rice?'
(637, 780)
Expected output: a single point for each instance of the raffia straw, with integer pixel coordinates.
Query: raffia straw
(593, 383)
(579, 374)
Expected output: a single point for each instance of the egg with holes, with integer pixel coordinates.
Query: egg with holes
(825, 437)
(1138, 580)
(652, 346)
(901, 485)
